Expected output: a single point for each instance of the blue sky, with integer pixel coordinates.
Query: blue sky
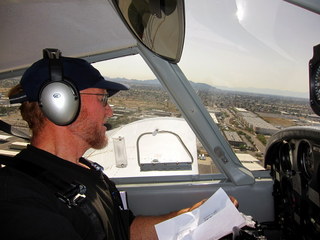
(240, 44)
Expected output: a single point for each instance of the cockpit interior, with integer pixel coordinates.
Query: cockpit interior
(223, 94)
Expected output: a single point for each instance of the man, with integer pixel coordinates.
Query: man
(48, 191)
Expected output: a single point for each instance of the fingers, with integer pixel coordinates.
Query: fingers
(198, 204)
(234, 201)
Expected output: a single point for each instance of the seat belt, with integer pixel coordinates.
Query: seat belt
(71, 194)
(123, 217)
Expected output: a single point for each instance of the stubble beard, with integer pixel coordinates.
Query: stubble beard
(95, 137)
(89, 131)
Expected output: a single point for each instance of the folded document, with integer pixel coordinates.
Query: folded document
(212, 220)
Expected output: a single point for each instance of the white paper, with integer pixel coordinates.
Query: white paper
(212, 220)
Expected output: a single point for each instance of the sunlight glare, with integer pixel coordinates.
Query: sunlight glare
(240, 10)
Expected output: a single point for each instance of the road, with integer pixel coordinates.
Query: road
(229, 122)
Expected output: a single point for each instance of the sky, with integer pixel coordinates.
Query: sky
(263, 44)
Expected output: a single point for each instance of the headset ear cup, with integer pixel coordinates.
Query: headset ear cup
(60, 102)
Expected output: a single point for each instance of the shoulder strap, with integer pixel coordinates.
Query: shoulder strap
(69, 193)
(72, 194)
(123, 217)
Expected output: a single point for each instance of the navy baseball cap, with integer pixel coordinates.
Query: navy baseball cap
(75, 70)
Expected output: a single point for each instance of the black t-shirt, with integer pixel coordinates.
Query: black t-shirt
(31, 210)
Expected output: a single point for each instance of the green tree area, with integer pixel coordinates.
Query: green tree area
(262, 139)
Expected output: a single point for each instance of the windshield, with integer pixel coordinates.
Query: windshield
(248, 63)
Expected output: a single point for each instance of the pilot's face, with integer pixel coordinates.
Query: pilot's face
(93, 115)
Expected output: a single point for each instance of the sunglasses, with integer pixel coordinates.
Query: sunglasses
(103, 100)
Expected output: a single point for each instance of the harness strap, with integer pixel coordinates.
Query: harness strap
(72, 194)
(123, 217)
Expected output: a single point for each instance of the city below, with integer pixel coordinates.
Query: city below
(247, 120)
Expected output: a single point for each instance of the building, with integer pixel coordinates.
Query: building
(253, 121)
(249, 161)
(233, 138)
(213, 116)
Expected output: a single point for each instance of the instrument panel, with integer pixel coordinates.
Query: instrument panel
(293, 156)
(314, 80)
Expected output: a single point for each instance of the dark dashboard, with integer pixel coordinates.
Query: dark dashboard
(292, 155)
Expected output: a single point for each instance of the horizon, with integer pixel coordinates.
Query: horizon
(225, 47)
(271, 92)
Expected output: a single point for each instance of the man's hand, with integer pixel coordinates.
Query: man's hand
(198, 204)
(234, 201)
(143, 226)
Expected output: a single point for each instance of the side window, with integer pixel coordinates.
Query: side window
(11, 145)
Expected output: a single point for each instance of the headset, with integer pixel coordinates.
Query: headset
(59, 99)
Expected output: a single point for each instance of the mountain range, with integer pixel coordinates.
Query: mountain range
(207, 87)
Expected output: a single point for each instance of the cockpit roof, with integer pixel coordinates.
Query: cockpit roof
(79, 28)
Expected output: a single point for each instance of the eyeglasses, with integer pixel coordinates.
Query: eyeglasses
(103, 100)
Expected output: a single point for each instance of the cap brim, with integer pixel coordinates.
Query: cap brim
(111, 87)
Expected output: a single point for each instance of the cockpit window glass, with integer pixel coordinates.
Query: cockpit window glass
(252, 58)
(148, 125)
(248, 63)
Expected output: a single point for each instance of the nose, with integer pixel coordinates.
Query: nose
(108, 111)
